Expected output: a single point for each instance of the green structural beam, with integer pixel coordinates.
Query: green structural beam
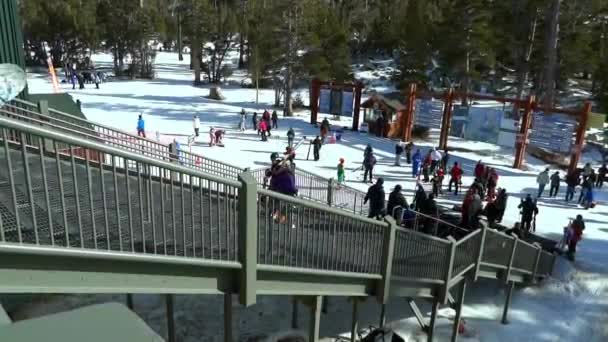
(11, 36)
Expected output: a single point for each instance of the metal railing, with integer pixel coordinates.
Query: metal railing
(115, 137)
(89, 195)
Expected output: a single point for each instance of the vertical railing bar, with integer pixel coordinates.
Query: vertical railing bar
(77, 198)
(192, 216)
(117, 202)
(161, 180)
(267, 242)
(200, 184)
(173, 219)
(104, 200)
(61, 194)
(287, 234)
(210, 219)
(90, 188)
(141, 206)
(28, 186)
(271, 230)
(317, 245)
(293, 254)
(227, 218)
(46, 192)
(219, 220)
(235, 222)
(151, 211)
(130, 210)
(181, 186)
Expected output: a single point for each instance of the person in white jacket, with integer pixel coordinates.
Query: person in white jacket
(196, 123)
(435, 159)
(542, 180)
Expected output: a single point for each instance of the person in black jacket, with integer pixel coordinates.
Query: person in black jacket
(316, 147)
(408, 152)
(398, 153)
(571, 183)
(528, 211)
(429, 208)
(375, 196)
(601, 174)
(555, 179)
(395, 199)
(419, 197)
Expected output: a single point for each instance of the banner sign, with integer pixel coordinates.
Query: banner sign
(460, 117)
(554, 132)
(483, 124)
(336, 102)
(324, 100)
(347, 103)
(428, 113)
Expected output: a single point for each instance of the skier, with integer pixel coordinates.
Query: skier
(375, 196)
(174, 151)
(80, 81)
(587, 171)
(528, 211)
(219, 137)
(408, 152)
(584, 188)
(479, 170)
(324, 129)
(196, 123)
(426, 165)
(555, 180)
(491, 184)
(437, 181)
(368, 163)
(495, 210)
(254, 122)
(474, 210)
(601, 175)
(368, 150)
(290, 136)
(464, 210)
(275, 119)
(571, 183)
(419, 197)
(266, 119)
(341, 171)
(74, 79)
(588, 201)
(242, 120)
(435, 159)
(211, 136)
(542, 180)
(416, 160)
(263, 129)
(396, 199)
(445, 159)
(96, 79)
(141, 127)
(577, 226)
(316, 148)
(398, 152)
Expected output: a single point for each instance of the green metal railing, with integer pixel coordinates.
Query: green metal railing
(93, 199)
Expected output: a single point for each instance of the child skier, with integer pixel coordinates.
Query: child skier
(141, 127)
(196, 124)
(341, 171)
(211, 136)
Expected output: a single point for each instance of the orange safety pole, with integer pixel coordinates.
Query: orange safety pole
(358, 90)
(446, 120)
(408, 120)
(314, 100)
(580, 136)
(522, 137)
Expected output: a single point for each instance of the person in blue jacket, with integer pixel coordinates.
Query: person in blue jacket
(416, 161)
(141, 127)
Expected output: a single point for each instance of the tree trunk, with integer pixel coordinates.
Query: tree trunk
(195, 58)
(524, 62)
(179, 38)
(551, 52)
(241, 51)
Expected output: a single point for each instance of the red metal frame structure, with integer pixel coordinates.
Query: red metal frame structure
(316, 90)
(529, 105)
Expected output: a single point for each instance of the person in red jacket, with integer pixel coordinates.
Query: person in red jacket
(577, 226)
(456, 175)
(480, 170)
(492, 183)
(466, 203)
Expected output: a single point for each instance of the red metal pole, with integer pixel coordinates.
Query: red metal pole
(314, 100)
(358, 90)
(522, 137)
(409, 113)
(579, 142)
(446, 119)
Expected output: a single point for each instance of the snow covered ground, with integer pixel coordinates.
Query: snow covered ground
(571, 306)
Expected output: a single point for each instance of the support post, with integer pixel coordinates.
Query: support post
(227, 317)
(408, 119)
(248, 231)
(446, 119)
(354, 326)
(434, 309)
(294, 313)
(417, 313)
(357, 106)
(315, 88)
(505, 311)
(522, 137)
(170, 318)
(130, 301)
(388, 247)
(482, 243)
(536, 261)
(511, 258)
(330, 191)
(315, 318)
(382, 322)
(448, 271)
(580, 137)
(459, 310)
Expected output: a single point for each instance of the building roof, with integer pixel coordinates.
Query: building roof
(384, 101)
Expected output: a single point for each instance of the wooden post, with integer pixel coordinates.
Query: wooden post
(446, 119)
(354, 326)
(505, 311)
(580, 137)
(522, 137)
(248, 233)
(388, 246)
(227, 317)
(431, 329)
(357, 108)
(459, 310)
(170, 318)
(408, 119)
(315, 318)
(314, 100)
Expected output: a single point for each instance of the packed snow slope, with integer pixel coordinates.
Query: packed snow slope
(571, 306)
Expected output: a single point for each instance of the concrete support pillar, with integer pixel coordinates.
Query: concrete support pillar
(315, 318)
(431, 329)
(227, 317)
(294, 313)
(458, 311)
(505, 311)
(382, 322)
(170, 319)
(354, 326)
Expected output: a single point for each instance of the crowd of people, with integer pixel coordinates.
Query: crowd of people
(586, 180)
